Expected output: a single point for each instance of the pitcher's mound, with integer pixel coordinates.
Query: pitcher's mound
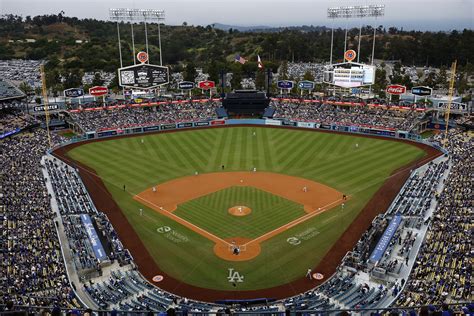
(240, 210)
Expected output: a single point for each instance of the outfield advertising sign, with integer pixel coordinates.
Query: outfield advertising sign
(272, 122)
(182, 125)
(285, 84)
(396, 89)
(201, 123)
(421, 91)
(185, 85)
(306, 85)
(206, 85)
(305, 124)
(168, 126)
(43, 108)
(73, 93)
(98, 91)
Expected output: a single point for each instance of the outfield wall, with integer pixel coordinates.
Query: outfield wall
(367, 130)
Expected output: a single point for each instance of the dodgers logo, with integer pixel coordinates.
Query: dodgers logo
(235, 276)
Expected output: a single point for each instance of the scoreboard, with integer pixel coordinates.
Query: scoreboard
(350, 75)
(143, 76)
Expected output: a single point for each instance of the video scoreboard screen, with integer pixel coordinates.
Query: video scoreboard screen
(143, 76)
(350, 75)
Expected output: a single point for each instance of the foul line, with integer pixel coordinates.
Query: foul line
(180, 220)
(291, 224)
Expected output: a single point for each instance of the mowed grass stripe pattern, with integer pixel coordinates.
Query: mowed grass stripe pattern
(332, 159)
(268, 212)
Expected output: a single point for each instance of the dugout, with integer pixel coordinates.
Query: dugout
(246, 103)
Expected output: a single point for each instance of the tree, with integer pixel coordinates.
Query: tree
(283, 72)
(442, 79)
(97, 81)
(190, 72)
(308, 76)
(73, 79)
(260, 79)
(25, 88)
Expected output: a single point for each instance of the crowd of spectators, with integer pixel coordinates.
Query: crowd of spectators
(32, 269)
(13, 121)
(128, 116)
(347, 115)
(73, 200)
(443, 268)
(31, 263)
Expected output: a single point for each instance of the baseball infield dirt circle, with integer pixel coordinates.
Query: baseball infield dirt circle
(240, 210)
(247, 250)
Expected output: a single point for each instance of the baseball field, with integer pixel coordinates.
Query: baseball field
(283, 197)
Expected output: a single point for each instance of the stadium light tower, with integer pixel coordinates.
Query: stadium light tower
(359, 11)
(138, 15)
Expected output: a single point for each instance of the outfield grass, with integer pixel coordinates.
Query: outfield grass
(331, 159)
(268, 212)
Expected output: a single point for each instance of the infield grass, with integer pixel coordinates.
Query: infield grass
(331, 159)
(268, 212)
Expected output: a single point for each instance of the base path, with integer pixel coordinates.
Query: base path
(165, 198)
(170, 194)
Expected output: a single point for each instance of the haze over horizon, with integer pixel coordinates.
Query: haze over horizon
(440, 15)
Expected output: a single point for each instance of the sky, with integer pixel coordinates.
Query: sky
(436, 15)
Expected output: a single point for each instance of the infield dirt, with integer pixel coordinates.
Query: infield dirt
(165, 198)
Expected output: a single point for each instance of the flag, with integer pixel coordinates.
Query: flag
(260, 64)
(240, 59)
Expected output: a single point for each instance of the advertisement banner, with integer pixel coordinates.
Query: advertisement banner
(106, 133)
(455, 106)
(206, 84)
(396, 89)
(201, 123)
(421, 91)
(73, 93)
(182, 125)
(185, 85)
(384, 241)
(98, 91)
(306, 85)
(272, 122)
(305, 124)
(42, 108)
(288, 123)
(151, 128)
(93, 238)
(168, 126)
(285, 84)
(219, 122)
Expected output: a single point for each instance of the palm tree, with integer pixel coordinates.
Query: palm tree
(25, 88)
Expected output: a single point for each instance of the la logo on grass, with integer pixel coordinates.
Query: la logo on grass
(235, 276)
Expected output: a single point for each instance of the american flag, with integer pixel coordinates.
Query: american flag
(240, 59)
